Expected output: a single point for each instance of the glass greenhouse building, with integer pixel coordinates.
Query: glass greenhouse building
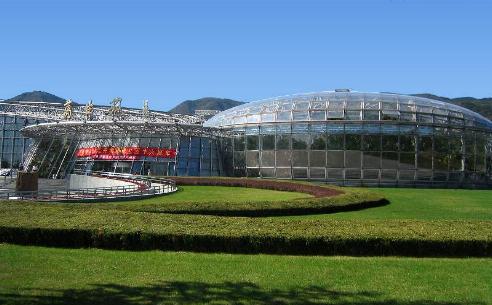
(342, 137)
(354, 138)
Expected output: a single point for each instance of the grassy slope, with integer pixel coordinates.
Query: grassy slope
(35, 275)
(425, 204)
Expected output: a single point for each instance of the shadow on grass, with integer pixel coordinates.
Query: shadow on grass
(202, 293)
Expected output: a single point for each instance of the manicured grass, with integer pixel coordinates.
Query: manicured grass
(251, 202)
(232, 195)
(35, 275)
(425, 204)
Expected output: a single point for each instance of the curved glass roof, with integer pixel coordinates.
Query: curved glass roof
(348, 106)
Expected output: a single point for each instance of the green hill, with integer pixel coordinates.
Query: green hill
(206, 103)
(37, 96)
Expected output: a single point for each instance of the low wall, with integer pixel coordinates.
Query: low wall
(82, 182)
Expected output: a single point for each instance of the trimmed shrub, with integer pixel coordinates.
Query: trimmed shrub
(84, 226)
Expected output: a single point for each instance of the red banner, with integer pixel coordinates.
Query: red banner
(125, 153)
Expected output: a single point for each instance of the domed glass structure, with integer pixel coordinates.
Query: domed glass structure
(355, 138)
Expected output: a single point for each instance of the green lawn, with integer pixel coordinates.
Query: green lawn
(424, 204)
(36, 275)
(206, 194)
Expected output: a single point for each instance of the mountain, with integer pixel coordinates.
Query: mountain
(206, 103)
(482, 105)
(37, 96)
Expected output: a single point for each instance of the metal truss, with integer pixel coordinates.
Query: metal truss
(97, 129)
(57, 113)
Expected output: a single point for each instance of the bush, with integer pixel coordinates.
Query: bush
(85, 226)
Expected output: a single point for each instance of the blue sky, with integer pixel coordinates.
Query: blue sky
(169, 51)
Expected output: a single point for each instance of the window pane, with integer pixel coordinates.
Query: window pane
(317, 158)
(268, 142)
(283, 141)
(390, 143)
(268, 158)
(353, 159)
(372, 143)
(239, 143)
(299, 158)
(334, 159)
(407, 143)
(252, 142)
(300, 141)
(352, 142)
(318, 142)
(335, 142)
(283, 158)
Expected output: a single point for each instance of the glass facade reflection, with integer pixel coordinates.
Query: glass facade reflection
(194, 156)
(356, 138)
(12, 144)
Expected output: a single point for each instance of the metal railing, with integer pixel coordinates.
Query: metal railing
(142, 187)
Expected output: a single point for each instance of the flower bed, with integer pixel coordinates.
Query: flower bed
(286, 186)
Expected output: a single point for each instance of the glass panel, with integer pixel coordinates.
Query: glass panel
(283, 116)
(318, 141)
(407, 160)
(389, 160)
(300, 141)
(268, 117)
(299, 158)
(300, 116)
(352, 142)
(283, 141)
(268, 142)
(334, 173)
(390, 143)
(407, 143)
(440, 161)
(317, 158)
(352, 174)
(424, 160)
(252, 142)
(371, 115)
(267, 172)
(252, 159)
(456, 161)
(255, 118)
(352, 115)
(372, 143)
(239, 143)
(424, 175)
(268, 158)
(353, 159)
(283, 158)
(441, 144)
(317, 115)
(253, 172)
(335, 142)
(371, 174)
(388, 174)
(407, 175)
(336, 114)
(425, 143)
(300, 173)
(334, 159)
(317, 173)
(283, 172)
(372, 160)
(390, 115)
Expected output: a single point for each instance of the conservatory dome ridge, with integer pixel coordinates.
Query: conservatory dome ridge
(348, 105)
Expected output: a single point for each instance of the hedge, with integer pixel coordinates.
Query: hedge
(83, 226)
(349, 200)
